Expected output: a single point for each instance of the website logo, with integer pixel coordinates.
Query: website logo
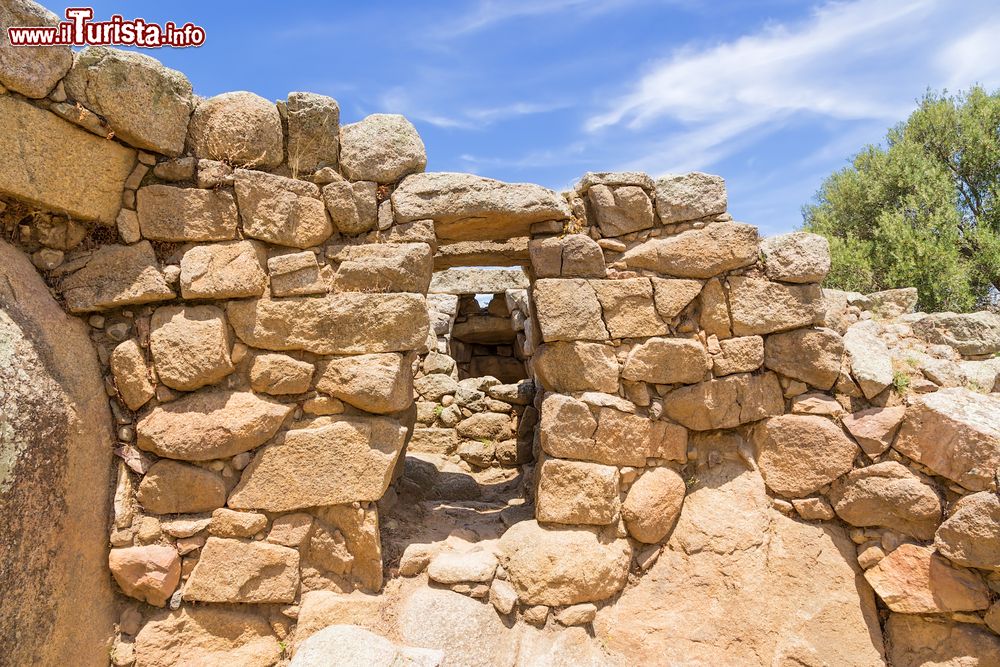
(80, 30)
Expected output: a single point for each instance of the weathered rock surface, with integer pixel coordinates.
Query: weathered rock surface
(381, 148)
(149, 573)
(620, 210)
(384, 267)
(465, 280)
(455, 567)
(237, 571)
(575, 492)
(798, 257)
(313, 132)
(467, 631)
(227, 523)
(875, 428)
(786, 594)
(169, 487)
(352, 646)
(576, 366)
(231, 270)
(738, 355)
(238, 128)
(667, 361)
(330, 462)
(568, 310)
(115, 275)
(279, 374)
(570, 256)
(352, 206)
(465, 207)
(281, 210)
(970, 536)
(56, 450)
(67, 169)
(30, 70)
(168, 213)
(319, 609)
(726, 402)
(813, 356)
(210, 424)
(207, 635)
(698, 253)
(628, 308)
(297, 274)
(969, 333)
(146, 104)
(918, 641)
(569, 430)
(486, 426)
(762, 307)
(562, 566)
(915, 580)
(506, 252)
(190, 346)
(378, 383)
(888, 494)
(128, 365)
(342, 323)
(681, 197)
(955, 433)
(798, 454)
(672, 295)
(653, 504)
(871, 364)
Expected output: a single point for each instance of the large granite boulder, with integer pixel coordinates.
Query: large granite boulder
(551, 565)
(969, 333)
(56, 450)
(741, 584)
(382, 148)
(955, 433)
(239, 128)
(30, 70)
(67, 169)
(465, 207)
(146, 104)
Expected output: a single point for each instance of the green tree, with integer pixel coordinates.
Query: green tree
(924, 210)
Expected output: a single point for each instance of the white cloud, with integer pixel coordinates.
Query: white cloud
(860, 61)
(399, 100)
(973, 57)
(487, 13)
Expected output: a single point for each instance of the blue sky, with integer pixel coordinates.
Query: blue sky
(773, 95)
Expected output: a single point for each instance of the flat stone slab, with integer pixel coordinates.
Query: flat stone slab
(466, 207)
(464, 280)
(54, 164)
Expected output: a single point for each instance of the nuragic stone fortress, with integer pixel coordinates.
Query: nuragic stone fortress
(271, 393)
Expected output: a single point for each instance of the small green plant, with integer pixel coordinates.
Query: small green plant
(912, 362)
(438, 409)
(284, 648)
(900, 382)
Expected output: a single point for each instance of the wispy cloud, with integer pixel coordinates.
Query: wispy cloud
(844, 62)
(400, 100)
(573, 154)
(488, 13)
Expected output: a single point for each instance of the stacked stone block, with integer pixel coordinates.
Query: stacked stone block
(254, 277)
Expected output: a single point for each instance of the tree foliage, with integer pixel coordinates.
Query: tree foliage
(924, 209)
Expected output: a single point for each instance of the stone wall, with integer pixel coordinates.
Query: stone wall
(254, 278)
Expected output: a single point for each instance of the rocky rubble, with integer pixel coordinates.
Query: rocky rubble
(718, 461)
